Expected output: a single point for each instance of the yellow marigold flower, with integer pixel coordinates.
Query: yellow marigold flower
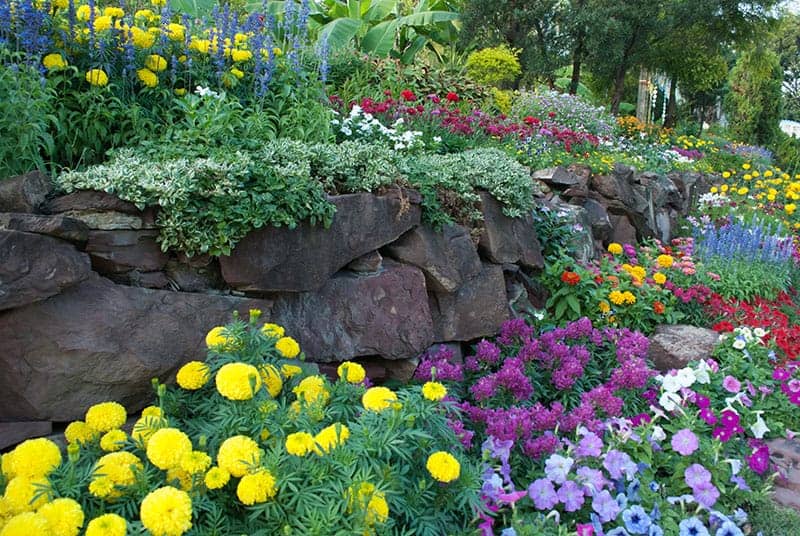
(54, 62)
(34, 458)
(726, 174)
(312, 389)
(193, 375)
(443, 466)
(330, 437)
(616, 297)
(195, 461)
(273, 330)
(141, 38)
(277, 51)
(97, 77)
(20, 492)
(299, 443)
(64, 516)
(238, 73)
(756, 174)
(790, 208)
(745, 166)
(61, 4)
(166, 512)
(434, 391)
(203, 46)
(351, 372)
(216, 478)
(152, 411)
(714, 189)
(114, 12)
(176, 32)
(256, 488)
(378, 399)
(147, 77)
(665, 261)
(747, 176)
(84, 13)
(614, 248)
(768, 173)
(271, 379)
(79, 432)
(241, 55)
(144, 14)
(26, 524)
(113, 471)
(723, 188)
(155, 63)
(290, 371)
(238, 381)
(158, 3)
(102, 23)
(369, 499)
(287, 347)
(167, 446)
(604, 307)
(178, 477)
(742, 191)
(237, 454)
(107, 525)
(659, 278)
(628, 297)
(113, 441)
(106, 416)
(219, 339)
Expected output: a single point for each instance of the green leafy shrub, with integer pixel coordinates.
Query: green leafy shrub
(496, 66)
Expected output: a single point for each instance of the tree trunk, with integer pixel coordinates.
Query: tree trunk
(619, 88)
(577, 58)
(671, 117)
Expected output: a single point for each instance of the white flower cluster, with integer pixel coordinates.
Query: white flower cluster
(711, 200)
(360, 125)
(206, 92)
(743, 335)
(673, 382)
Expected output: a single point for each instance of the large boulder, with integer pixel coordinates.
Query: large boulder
(304, 258)
(673, 346)
(785, 454)
(115, 252)
(477, 309)
(384, 314)
(100, 341)
(34, 267)
(90, 201)
(447, 257)
(55, 226)
(24, 193)
(508, 240)
(599, 220)
(12, 433)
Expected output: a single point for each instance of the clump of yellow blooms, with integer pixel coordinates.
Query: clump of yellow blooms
(33, 458)
(26, 524)
(287, 347)
(107, 525)
(238, 381)
(166, 512)
(147, 77)
(443, 466)
(434, 391)
(366, 497)
(114, 471)
(271, 379)
(20, 493)
(299, 443)
(256, 488)
(614, 248)
(113, 440)
(351, 372)
(273, 330)
(79, 432)
(54, 62)
(64, 516)
(621, 298)
(330, 437)
(665, 261)
(237, 454)
(378, 399)
(216, 478)
(106, 417)
(312, 390)
(193, 375)
(97, 77)
(194, 462)
(167, 446)
(659, 278)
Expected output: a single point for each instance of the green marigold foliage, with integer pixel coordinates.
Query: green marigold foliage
(496, 66)
(208, 204)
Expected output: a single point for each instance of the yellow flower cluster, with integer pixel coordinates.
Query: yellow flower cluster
(238, 381)
(615, 248)
(107, 525)
(434, 391)
(237, 454)
(113, 441)
(272, 379)
(443, 466)
(113, 472)
(312, 390)
(330, 437)
(287, 347)
(300, 443)
(659, 278)
(33, 458)
(220, 340)
(622, 298)
(368, 499)
(167, 446)
(665, 261)
(216, 478)
(256, 487)
(166, 511)
(193, 375)
(637, 272)
(351, 372)
(378, 399)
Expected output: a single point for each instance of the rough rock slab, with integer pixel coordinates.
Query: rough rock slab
(598, 217)
(301, 259)
(623, 231)
(55, 226)
(508, 240)
(116, 252)
(477, 309)
(91, 201)
(785, 454)
(34, 267)
(370, 263)
(558, 175)
(447, 258)
(24, 193)
(193, 278)
(385, 314)
(673, 346)
(12, 433)
(109, 220)
(100, 341)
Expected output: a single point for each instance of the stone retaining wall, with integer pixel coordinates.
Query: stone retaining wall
(91, 309)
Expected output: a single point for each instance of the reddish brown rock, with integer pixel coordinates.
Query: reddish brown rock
(55, 226)
(24, 193)
(370, 263)
(91, 201)
(34, 267)
(623, 232)
(12, 433)
(508, 240)
(115, 252)
(673, 346)
(446, 257)
(281, 259)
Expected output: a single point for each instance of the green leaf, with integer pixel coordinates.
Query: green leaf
(379, 10)
(195, 8)
(410, 52)
(380, 39)
(340, 32)
(426, 18)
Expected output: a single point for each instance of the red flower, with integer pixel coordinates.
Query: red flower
(658, 307)
(551, 115)
(530, 120)
(570, 278)
(452, 97)
(722, 327)
(408, 95)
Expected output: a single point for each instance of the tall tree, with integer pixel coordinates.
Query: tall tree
(754, 102)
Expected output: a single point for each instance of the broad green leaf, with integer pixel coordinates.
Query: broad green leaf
(193, 8)
(426, 18)
(340, 32)
(380, 39)
(379, 10)
(411, 52)
(274, 7)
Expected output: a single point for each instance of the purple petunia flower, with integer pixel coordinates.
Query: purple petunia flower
(759, 460)
(592, 479)
(557, 467)
(543, 494)
(706, 494)
(617, 463)
(695, 475)
(731, 384)
(702, 401)
(781, 374)
(589, 445)
(606, 506)
(571, 495)
(684, 442)
(729, 418)
(708, 416)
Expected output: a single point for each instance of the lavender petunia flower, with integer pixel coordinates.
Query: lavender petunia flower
(684, 442)
(557, 467)
(706, 494)
(696, 475)
(571, 495)
(543, 494)
(606, 506)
